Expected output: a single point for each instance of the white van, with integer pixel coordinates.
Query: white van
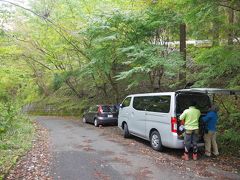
(154, 116)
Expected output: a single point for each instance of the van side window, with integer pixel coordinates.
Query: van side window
(152, 103)
(140, 103)
(126, 102)
(159, 104)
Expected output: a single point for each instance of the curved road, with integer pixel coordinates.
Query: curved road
(81, 151)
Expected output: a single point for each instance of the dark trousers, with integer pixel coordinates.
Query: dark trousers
(191, 138)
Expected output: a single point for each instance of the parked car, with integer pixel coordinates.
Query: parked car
(154, 116)
(101, 115)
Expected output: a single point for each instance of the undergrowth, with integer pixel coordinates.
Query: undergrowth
(16, 136)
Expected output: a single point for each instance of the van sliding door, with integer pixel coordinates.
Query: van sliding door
(158, 115)
(138, 120)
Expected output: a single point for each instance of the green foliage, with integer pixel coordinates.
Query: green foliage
(228, 129)
(229, 135)
(124, 45)
(8, 114)
(14, 142)
(57, 81)
(220, 64)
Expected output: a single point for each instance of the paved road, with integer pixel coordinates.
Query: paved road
(81, 151)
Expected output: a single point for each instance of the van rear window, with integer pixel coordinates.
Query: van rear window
(152, 103)
(184, 100)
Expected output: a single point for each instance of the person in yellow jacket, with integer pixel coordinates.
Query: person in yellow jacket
(191, 117)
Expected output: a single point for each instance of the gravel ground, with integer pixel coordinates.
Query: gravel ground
(37, 164)
(222, 167)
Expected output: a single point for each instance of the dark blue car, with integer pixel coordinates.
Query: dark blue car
(101, 115)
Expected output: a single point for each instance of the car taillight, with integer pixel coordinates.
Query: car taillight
(100, 110)
(174, 124)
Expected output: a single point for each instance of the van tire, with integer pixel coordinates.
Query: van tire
(155, 140)
(126, 133)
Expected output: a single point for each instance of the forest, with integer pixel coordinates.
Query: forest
(58, 57)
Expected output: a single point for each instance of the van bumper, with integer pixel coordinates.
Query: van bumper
(178, 143)
(174, 142)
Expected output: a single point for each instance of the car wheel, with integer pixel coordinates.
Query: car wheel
(96, 123)
(155, 140)
(84, 120)
(126, 133)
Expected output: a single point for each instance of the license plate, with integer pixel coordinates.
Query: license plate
(110, 116)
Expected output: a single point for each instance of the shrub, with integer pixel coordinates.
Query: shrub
(16, 134)
(229, 136)
(8, 114)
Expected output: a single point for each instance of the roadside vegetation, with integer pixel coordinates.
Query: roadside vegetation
(14, 142)
(59, 57)
(16, 130)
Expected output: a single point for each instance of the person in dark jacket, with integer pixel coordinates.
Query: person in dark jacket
(211, 120)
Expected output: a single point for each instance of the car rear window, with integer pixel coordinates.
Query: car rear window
(109, 108)
(184, 100)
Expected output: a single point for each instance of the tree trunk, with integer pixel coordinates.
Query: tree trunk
(231, 22)
(102, 87)
(38, 78)
(182, 73)
(160, 75)
(71, 86)
(215, 29)
(114, 86)
(151, 76)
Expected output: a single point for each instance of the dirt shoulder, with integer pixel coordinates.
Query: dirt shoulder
(36, 163)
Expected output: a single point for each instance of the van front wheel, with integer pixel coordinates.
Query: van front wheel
(155, 141)
(126, 133)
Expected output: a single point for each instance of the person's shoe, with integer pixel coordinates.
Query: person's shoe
(214, 155)
(194, 156)
(185, 157)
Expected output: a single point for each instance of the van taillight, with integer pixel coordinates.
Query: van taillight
(100, 110)
(174, 124)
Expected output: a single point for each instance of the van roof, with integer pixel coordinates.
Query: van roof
(211, 91)
(194, 90)
(152, 94)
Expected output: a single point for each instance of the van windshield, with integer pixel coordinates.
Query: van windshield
(184, 100)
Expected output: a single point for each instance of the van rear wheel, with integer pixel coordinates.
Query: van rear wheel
(126, 133)
(155, 140)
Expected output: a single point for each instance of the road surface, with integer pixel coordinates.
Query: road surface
(82, 151)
